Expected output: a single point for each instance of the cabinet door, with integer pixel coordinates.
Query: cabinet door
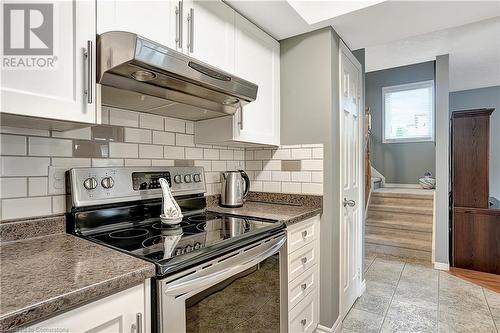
(58, 91)
(114, 314)
(210, 33)
(257, 60)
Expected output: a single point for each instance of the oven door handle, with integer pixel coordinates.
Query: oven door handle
(227, 269)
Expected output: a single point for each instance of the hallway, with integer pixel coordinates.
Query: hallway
(404, 295)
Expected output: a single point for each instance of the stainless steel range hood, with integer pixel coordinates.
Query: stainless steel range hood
(142, 75)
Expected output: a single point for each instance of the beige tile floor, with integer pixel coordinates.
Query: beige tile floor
(409, 296)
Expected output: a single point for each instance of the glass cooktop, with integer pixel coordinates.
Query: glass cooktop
(160, 242)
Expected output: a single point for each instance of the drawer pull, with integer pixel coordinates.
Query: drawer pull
(303, 322)
(304, 260)
(304, 234)
(303, 286)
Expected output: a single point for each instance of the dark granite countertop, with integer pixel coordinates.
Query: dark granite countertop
(286, 208)
(44, 276)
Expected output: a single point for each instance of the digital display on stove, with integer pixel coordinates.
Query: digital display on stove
(149, 180)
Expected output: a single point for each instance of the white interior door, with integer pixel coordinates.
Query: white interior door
(352, 204)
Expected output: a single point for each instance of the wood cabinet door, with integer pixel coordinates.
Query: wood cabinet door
(114, 314)
(210, 33)
(154, 20)
(58, 91)
(257, 59)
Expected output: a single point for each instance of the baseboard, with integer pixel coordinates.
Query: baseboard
(441, 266)
(336, 328)
(402, 185)
(362, 288)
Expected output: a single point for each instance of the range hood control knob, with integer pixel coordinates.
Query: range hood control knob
(177, 179)
(197, 178)
(187, 178)
(107, 182)
(90, 183)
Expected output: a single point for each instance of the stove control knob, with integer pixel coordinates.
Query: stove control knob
(90, 183)
(107, 182)
(197, 245)
(187, 178)
(188, 249)
(178, 179)
(197, 178)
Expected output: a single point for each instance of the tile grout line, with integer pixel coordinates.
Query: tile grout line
(489, 309)
(392, 297)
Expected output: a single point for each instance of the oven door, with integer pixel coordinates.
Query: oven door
(241, 291)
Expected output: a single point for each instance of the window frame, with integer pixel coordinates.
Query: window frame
(405, 87)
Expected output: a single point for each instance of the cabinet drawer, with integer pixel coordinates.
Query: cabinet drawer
(301, 234)
(299, 288)
(301, 260)
(304, 317)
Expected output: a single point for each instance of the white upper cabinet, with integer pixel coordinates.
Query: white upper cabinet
(153, 20)
(210, 33)
(256, 59)
(65, 90)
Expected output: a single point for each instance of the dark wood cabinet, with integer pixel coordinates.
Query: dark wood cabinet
(470, 158)
(475, 227)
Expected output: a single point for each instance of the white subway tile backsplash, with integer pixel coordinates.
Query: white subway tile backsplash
(253, 165)
(24, 166)
(12, 144)
(50, 147)
(71, 162)
(282, 154)
(301, 176)
(317, 177)
(23, 131)
(173, 153)
(58, 204)
(287, 187)
(194, 153)
(263, 175)
(312, 165)
(186, 140)
(301, 154)
(175, 125)
(189, 127)
(107, 162)
(13, 187)
(226, 154)
(312, 188)
(26, 207)
(249, 155)
(210, 154)
(162, 162)
(281, 176)
(38, 186)
(239, 155)
(273, 165)
(123, 150)
(120, 117)
(234, 165)
(207, 165)
(150, 151)
(271, 187)
(317, 153)
(151, 121)
(212, 177)
(219, 166)
(256, 186)
(262, 155)
(138, 162)
(137, 135)
(163, 138)
(80, 133)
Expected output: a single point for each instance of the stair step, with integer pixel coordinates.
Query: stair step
(400, 225)
(398, 252)
(398, 233)
(390, 240)
(402, 201)
(396, 195)
(402, 209)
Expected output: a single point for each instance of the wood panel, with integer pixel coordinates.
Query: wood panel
(485, 280)
(476, 239)
(470, 149)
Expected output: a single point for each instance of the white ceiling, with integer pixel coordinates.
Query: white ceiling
(397, 33)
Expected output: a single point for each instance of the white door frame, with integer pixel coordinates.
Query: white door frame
(343, 49)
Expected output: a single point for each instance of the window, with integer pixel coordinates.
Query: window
(408, 112)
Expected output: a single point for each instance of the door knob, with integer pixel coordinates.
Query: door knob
(350, 203)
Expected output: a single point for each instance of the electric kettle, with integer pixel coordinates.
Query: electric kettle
(235, 188)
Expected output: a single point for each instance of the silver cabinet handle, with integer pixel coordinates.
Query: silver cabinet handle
(303, 286)
(190, 20)
(137, 326)
(304, 260)
(350, 203)
(304, 234)
(179, 19)
(90, 70)
(240, 122)
(303, 322)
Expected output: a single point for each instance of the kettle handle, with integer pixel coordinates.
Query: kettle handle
(247, 183)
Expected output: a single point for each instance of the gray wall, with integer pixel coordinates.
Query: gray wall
(309, 107)
(401, 163)
(477, 98)
(441, 202)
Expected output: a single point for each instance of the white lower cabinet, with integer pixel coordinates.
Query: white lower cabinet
(303, 275)
(122, 312)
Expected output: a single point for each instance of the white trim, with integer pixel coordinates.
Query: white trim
(394, 185)
(362, 288)
(404, 87)
(441, 266)
(336, 328)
